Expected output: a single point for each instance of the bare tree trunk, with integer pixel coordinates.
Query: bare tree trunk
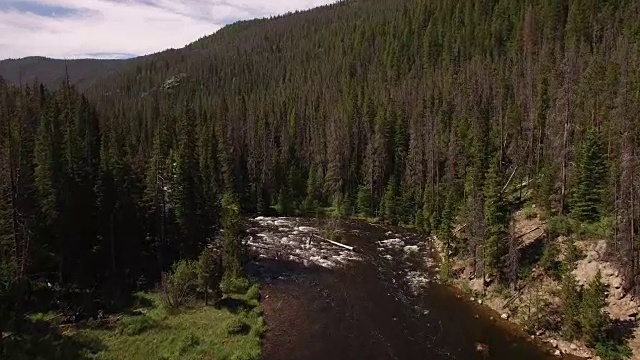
(565, 139)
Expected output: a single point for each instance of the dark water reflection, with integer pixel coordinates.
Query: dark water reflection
(367, 311)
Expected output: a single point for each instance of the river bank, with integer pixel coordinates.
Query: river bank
(537, 299)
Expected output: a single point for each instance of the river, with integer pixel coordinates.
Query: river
(379, 302)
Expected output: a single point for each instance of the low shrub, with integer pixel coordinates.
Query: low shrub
(610, 350)
(603, 228)
(530, 212)
(446, 271)
(136, 325)
(234, 285)
(180, 285)
(561, 225)
(254, 292)
(236, 326)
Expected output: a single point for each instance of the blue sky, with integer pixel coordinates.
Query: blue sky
(121, 28)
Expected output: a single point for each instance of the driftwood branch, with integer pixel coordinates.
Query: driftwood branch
(350, 248)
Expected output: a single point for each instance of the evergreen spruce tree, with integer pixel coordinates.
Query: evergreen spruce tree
(428, 213)
(314, 189)
(364, 201)
(571, 256)
(570, 307)
(233, 249)
(592, 170)
(592, 318)
(284, 205)
(209, 274)
(496, 220)
(185, 192)
(390, 204)
(45, 168)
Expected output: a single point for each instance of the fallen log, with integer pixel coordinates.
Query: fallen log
(529, 232)
(350, 248)
(509, 181)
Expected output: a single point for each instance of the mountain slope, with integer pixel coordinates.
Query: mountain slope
(51, 72)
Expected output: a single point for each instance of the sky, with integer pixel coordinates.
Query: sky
(114, 29)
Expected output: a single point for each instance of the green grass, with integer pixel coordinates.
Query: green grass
(529, 212)
(233, 331)
(191, 333)
(567, 226)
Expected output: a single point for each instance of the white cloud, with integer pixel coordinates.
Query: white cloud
(137, 27)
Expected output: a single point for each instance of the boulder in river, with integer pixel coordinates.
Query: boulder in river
(411, 249)
(482, 348)
(282, 223)
(306, 229)
(392, 243)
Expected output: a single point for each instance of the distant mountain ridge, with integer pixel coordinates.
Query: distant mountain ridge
(51, 72)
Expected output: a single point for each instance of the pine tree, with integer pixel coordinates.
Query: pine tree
(284, 205)
(313, 193)
(571, 256)
(233, 248)
(186, 192)
(548, 259)
(45, 167)
(390, 204)
(592, 170)
(592, 318)
(570, 306)
(496, 220)
(209, 274)
(364, 201)
(512, 255)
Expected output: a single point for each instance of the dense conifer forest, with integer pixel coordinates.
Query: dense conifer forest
(416, 112)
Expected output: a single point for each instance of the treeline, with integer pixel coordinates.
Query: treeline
(73, 206)
(80, 229)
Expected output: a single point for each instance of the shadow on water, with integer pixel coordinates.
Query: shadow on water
(364, 311)
(235, 305)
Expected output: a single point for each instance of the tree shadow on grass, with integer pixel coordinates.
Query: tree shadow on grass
(40, 340)
(531, 253)
(235, 305)
(82, 304)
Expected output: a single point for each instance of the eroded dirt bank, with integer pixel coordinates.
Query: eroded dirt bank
(541, 295)
(325, 302)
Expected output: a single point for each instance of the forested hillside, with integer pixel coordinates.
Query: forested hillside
(417, 112)
(414, 111)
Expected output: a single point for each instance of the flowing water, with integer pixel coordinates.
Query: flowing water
(322, 301)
